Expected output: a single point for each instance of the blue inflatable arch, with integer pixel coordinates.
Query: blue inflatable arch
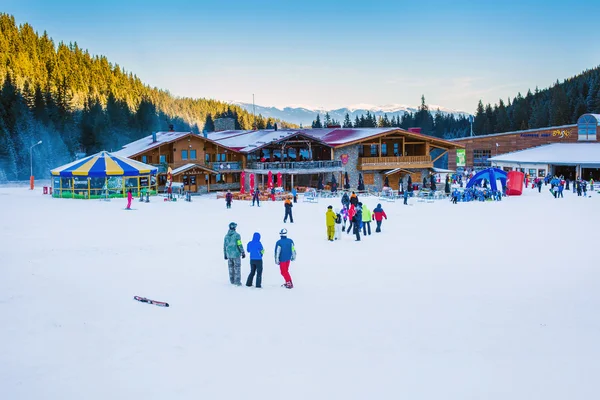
(491, 175)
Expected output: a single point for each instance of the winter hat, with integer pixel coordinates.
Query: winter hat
(283, 232)
(360, 204)
(232, 225)
(329, 207)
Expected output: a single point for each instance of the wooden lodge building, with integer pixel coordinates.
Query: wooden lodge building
(482, 151)
(214, 161)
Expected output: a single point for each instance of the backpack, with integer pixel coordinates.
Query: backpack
(338, 219)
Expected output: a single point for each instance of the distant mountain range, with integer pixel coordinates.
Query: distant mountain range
(305, 115)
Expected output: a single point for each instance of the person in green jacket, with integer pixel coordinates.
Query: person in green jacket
(232, 250)
(366, 219)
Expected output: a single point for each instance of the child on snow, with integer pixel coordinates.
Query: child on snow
(338, 225)
(129, 199)
(228, 199)
(256, 251)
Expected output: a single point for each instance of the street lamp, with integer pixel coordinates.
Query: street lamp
(31, 164)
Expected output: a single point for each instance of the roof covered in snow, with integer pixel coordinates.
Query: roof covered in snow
(146, 143)
(556, 153)
(248, 141)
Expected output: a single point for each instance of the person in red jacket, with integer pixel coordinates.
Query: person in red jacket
(378, 216)
(351, 212)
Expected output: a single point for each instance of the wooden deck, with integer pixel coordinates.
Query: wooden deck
(379, 163)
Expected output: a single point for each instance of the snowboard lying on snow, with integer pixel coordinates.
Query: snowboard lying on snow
(156, 303)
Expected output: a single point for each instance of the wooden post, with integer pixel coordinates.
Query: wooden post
(379, 151)
(89, 196)
(138, 185)
(73, 188)
(292, 180)
(403, 148)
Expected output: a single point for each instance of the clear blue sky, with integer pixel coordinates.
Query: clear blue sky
(332, 53)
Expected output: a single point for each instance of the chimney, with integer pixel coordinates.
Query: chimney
(275, 126)
(171, 128)
(153, 137)
(205, 133)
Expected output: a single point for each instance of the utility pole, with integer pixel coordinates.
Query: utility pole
(31, 164)
(253, 113)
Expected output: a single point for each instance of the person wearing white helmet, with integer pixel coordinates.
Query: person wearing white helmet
(285, 252)
(232, 250)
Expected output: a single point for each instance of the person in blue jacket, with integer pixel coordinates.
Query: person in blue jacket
(285, 252)
(256, 251)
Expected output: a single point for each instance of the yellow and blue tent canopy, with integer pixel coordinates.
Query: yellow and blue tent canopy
(104, 164)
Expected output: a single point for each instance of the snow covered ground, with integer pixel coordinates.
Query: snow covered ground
(467, 301)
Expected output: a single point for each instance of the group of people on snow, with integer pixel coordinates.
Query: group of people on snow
(233, 251)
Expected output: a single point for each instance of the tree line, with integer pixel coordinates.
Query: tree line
(77, 103)
(561, 104)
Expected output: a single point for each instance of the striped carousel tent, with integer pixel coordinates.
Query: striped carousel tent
(102, 165)
(103, 175)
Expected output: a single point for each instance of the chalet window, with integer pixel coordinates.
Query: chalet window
(185, 180)
(184, 155)
(373, 150)
(144, 159)
(192, 179)
(163, 159)
(531, 173)
(383, 149)
(480, 158)
(207, 158)
(361, 151)
(192, 154)
(541, 173)
(397, 149)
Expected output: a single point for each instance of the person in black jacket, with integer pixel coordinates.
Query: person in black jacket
(255, 197)
(356, 222)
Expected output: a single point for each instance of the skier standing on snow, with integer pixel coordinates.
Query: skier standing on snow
(129, 199)
(378, 215)
(330, 218)
(256, 251)
(285, 252)
(288, 211)
(295, 195)
(366, 219)
(232, 250)
(228, 199)
(255, 197)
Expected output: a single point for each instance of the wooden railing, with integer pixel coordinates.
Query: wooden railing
(295, 165)
(372, 163)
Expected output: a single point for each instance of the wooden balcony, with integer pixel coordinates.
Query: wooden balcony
(296, 167)
(379, 163)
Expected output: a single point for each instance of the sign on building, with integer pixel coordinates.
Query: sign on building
(461, 158)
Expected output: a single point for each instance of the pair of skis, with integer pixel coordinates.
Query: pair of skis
(148, 301)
